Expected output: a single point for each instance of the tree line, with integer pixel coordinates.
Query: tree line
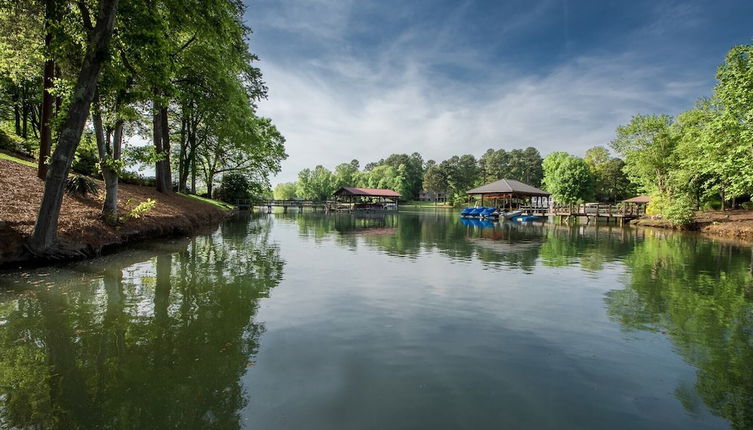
(410, 174)
(701, 158)
(697, 160)
(179, 73)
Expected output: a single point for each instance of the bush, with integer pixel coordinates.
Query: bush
(234, 187)
(140, 209)
(137, 179)
(81, 186)
(10, 142)
(712, 205)
(680, 210)
(747, 206)
(87, 157)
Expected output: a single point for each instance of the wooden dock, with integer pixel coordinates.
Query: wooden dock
(316, 205)
(620, 213)
(249, 205)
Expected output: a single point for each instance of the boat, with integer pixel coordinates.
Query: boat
(466, 212)
(525, 218)
(487, 213)
(472, 212)
(510, 215)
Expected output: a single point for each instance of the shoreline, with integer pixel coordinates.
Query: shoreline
(81, 228)
(732, 224)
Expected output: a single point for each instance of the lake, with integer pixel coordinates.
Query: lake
(415, 320)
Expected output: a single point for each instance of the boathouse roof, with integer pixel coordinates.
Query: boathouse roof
(367, 192)
(638, 199)
(508, 186)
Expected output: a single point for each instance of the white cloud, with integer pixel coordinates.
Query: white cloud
(405, 94)
(350, 110)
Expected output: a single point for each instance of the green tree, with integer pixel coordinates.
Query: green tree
(568, 178)
(45, 229)
(346, 174)
(647, 144)
(610, 183)
(285, 191)
(233, 187)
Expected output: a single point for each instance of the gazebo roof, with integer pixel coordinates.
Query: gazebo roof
(508, 186)
(368, 192)
(638, 199)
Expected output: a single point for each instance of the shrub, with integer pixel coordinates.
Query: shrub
(87, 157)
(9, 141)
(81, 186)
(234, 187)
(140, 209)
(680, 211)
(712, 205)
(747, 206)
(136, 179)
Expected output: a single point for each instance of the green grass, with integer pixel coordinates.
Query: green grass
(4, 156)
(420, 204)
(216, 203)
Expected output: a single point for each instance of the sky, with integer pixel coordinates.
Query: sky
(361, 80)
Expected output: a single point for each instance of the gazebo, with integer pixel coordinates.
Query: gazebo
(367, 198)
(510, 191)
(636, 205)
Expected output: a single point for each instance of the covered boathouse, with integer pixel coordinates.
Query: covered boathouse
(510, 194)
(366, 199)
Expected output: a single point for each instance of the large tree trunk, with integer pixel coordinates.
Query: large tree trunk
(160, 135)
(108, 151)
(45, 230)
(182, 156)
(25, 120)
(168, 177)
(17, 116)
(45, 126)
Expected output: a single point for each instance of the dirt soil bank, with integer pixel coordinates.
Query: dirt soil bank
(81, 224)
(736, 224)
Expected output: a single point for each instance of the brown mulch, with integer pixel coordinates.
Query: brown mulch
(737, 224)
(81, 222)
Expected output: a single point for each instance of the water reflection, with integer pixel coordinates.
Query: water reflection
(157, 337)
(554, 317)
(700, 294)
(497, 245)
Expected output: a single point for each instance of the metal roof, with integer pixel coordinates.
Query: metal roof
(508, 186)
(369, 192)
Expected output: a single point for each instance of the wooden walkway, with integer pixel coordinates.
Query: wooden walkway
(316, 205)
(592, 211)
(284, 204)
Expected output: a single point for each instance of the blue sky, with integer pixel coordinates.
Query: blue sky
(364, 79)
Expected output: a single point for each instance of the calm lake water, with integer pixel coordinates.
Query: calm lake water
(408, 321)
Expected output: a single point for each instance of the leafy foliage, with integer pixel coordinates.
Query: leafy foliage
(81, 186)
(234, 187)
(568, 178)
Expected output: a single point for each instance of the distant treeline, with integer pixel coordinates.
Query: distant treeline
(699, 160)
(596, 177)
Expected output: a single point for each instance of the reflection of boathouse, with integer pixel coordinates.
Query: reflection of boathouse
(365, 199)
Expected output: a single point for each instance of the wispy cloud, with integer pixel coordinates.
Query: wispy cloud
(432, 91)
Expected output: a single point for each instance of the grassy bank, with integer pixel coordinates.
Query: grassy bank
(81, 224)
(421, 204)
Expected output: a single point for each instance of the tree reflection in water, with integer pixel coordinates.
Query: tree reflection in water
(700, 294)
(151, 338)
